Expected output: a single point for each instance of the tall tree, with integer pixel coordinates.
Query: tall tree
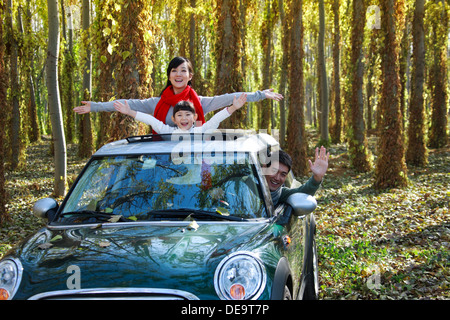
(267, 68)
(285, 42)
(391, 169)
(296, 137)
(359, 151)
(192, 40)
(105, 32)
(67, 81)
(438, 73)
(133, 68)
(54, 102)
(85, 148)
(15, 88)
(323, 82)
(4, 215)
(371, 75)
(228, 54)
(336, 130)
(27, 65)
(416, 153)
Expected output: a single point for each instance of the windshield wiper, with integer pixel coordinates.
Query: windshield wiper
(196, 212)
(94, 214)
(216, 214)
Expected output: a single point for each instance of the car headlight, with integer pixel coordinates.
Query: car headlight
(10, 277)
(240, 276)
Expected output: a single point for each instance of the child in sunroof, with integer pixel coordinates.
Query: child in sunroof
(184, 116)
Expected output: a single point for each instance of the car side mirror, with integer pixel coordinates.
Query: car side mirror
(302, 203)
(45, 208)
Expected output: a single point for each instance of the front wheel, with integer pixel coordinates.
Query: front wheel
(311, 291)
(287, 293)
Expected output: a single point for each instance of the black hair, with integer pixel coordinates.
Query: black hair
(185, 106)
(173, 64)
(283, 157)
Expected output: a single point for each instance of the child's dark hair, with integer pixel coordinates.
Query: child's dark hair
(184, 106)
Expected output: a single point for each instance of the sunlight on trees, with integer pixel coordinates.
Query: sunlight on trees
(371, 83)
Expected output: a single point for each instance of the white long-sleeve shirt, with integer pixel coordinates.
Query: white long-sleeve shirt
(148, 106)
(162, 128)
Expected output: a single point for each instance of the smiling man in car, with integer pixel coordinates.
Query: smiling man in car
(279, 171)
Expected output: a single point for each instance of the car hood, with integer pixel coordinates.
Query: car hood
(140, 256)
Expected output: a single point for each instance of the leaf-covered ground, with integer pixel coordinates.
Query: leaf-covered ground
(371, 245)
(26, 186)
(384, 245)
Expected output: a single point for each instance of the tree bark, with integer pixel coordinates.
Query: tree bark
(323, 82)
(133, 68)
(391, 169)
(337, 128)
(265, 111)
(438, 76)
(416, 153)
(15, 91)
(359, 152)
(54, 99)
(4, 215)
(68, 76)
(284, 66)
(105, 81)
(296, 136)
(228, 53)
(86, 146)
(27, 65)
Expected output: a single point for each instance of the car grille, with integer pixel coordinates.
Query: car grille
(116, 294)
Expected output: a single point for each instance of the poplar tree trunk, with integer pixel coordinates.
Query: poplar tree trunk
(417, 151)
(105, 80)
(54, 102)
(228, 53)
(15, 91)
(86, 146)
(265, 111)
(192, 40)
(284, 66)
(32, 126)
(68, 77)
(438, 76)
(337, 128)
(323, 82)
(391, 169)
(4, 215)
(133, 67)
(296, 136)
(359, 152)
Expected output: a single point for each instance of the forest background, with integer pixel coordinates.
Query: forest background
(367, 77)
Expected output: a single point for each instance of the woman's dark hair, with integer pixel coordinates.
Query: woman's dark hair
(173, 64)
(184, 106)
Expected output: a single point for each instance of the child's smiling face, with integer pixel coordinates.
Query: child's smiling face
(184, 119)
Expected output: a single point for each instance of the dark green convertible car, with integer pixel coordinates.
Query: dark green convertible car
(164, 217)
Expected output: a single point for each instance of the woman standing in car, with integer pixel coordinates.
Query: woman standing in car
(178, 88)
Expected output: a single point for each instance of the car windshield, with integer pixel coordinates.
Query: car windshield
(161, 187)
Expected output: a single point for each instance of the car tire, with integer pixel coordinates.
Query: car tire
(312, 278)
(287, 293)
